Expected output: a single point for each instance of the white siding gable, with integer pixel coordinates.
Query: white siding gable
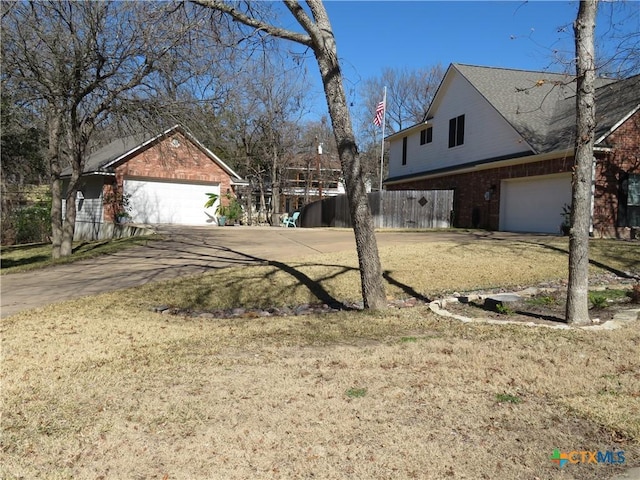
(486, 133)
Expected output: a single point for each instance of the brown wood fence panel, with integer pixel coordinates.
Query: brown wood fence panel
(390, 209)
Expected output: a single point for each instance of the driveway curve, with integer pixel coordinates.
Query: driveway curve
(193, 250)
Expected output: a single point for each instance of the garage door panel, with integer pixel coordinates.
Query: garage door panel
(534, 204)
(169, 202)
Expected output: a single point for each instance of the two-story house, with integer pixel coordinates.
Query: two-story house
(503, 140)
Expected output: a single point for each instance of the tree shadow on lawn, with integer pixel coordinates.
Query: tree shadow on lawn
(315, 288)
(319, 291)
(407, 289)
(81, 246)
(595, 263)
(9, 263)
(520, 312)
(238, 258)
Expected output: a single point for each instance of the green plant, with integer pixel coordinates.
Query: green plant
(544, 300)
(122, 217)
(504, 309)
(213, 197)
(598, 301)
(356, 392)
(232, 210)
(508, 398)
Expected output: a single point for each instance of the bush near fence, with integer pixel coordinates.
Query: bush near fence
(26, 214)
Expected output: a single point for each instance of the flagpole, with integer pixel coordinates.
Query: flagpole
(384, 114)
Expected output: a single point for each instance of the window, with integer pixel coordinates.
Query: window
(629, 200)
(426, 135)
(404, 150)
(456, 131)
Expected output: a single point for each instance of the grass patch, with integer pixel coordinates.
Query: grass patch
(22, 258)
(508, 398)
(542, 300)
(408, 339)
(356, 392)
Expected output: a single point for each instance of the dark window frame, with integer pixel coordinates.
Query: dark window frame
(426, 135)
(404, 150)
(456, 131)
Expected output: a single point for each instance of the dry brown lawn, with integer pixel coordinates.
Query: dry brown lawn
(104, 388)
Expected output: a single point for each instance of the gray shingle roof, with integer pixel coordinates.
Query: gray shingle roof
(541, 106)
(104, 156)
(103, 160)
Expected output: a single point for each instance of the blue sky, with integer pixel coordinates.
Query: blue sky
(372, 35)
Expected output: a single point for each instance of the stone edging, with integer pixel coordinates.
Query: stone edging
(439, 308)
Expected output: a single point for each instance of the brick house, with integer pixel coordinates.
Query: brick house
(503, 140)
(160, 179)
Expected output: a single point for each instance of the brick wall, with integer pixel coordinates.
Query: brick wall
(625, 158)
(170, 161)
(472, 209)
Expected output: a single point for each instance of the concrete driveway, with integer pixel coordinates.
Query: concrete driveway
(193, 250)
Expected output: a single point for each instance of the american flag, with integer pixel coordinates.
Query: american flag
(379, 114)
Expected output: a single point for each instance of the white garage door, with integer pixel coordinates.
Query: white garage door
(534, 204)
(169, 202)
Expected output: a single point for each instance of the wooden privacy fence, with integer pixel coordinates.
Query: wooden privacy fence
(390, 209)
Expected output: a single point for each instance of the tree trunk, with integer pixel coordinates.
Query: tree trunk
(76, 145)
(324, 47)
(577, 310)
(69, 224)
(53, 157)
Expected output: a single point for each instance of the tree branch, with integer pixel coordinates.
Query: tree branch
(257, 24)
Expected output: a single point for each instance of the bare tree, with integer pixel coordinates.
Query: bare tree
(319, 38)
(79, 64)
(257, 125)
(623, 59)
(409, 94)
(280, 97)
(577, 310)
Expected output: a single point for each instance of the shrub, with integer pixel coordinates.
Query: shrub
(32, 224)
(598, 301)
